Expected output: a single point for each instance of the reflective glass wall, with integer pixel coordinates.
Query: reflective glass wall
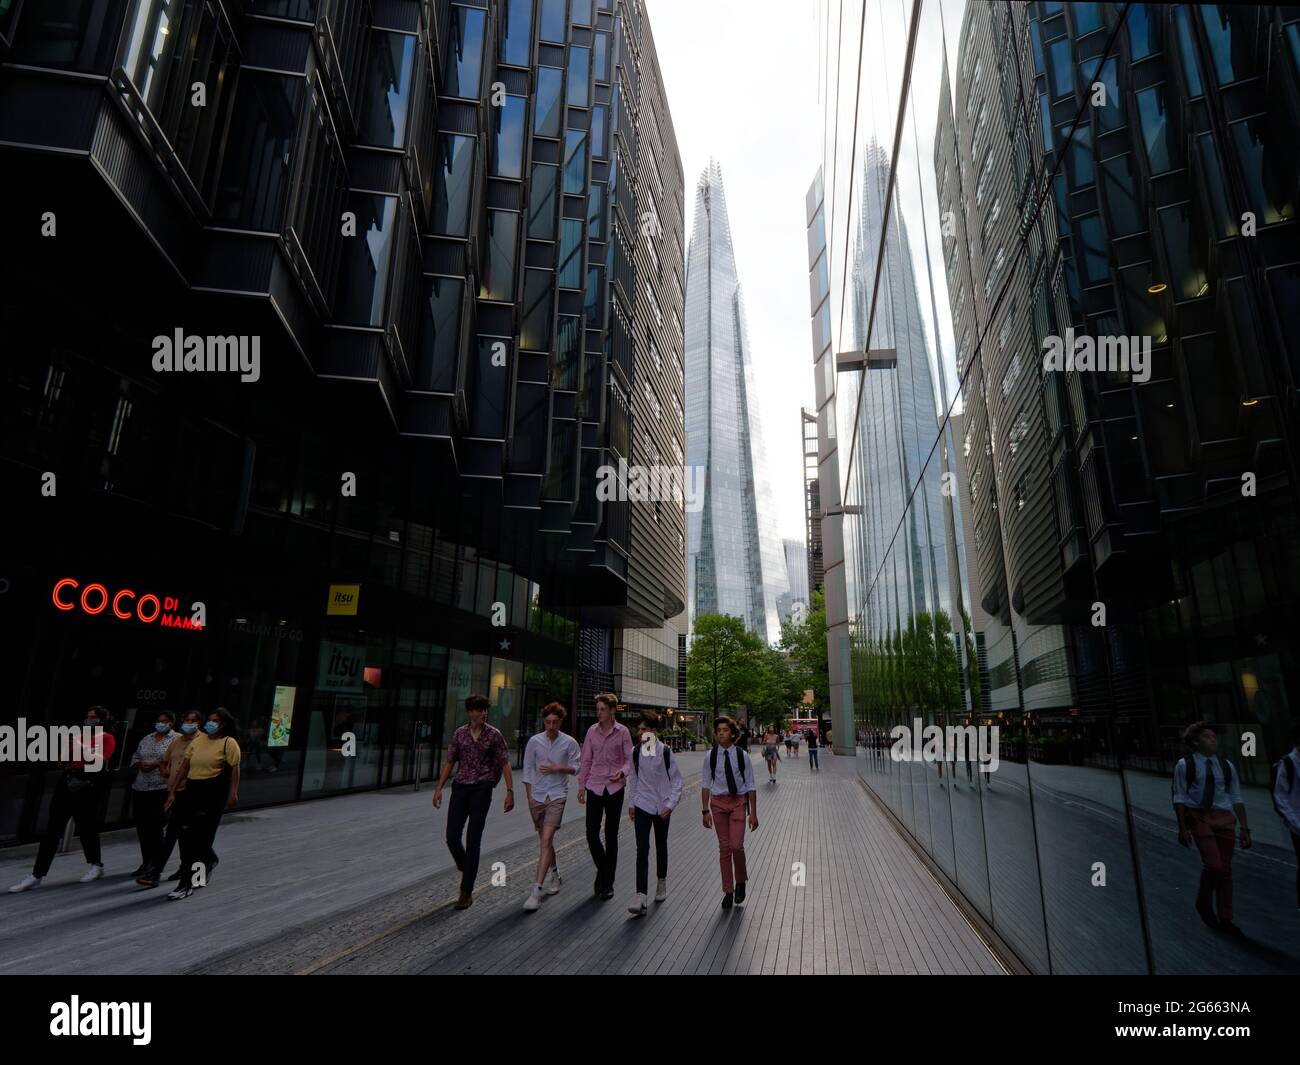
(1086, 552)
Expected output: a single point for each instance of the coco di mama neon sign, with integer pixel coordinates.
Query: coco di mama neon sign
(124, 604)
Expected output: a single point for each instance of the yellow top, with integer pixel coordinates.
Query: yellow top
(208, 756)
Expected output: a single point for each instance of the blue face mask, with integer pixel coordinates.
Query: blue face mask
(189, 726)
(162, 726)
(210, 727)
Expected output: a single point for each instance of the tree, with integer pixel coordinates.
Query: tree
(720, 663)
(806, 644)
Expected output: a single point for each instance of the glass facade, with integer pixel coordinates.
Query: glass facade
(735, 563)
(401, 509)
(1088, 558)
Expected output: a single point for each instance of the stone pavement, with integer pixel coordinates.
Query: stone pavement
(363, 883)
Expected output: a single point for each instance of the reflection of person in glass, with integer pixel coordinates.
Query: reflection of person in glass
(1207, 801)
(1286, 799)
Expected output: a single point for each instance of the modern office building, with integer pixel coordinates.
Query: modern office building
(796, 571)
(1127, 173)
(424, 225)
(734, 562)
(812, 503)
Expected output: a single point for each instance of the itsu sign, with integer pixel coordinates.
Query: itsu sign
(125, 604)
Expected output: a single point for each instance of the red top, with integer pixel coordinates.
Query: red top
(108, 743)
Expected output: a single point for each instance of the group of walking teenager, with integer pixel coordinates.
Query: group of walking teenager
(183, 780)
(612, 771)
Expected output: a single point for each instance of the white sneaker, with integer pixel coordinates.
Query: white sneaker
(93, 872)
(534, 901)
(638, 906)
(661, 891)
(553, 883)
(27, 883)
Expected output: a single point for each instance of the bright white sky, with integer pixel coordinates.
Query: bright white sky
(742, 84)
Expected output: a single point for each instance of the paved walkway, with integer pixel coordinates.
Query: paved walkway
(363, 884)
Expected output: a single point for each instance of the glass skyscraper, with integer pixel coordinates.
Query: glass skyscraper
(735, 562)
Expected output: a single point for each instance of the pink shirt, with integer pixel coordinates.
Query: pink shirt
(603, 755)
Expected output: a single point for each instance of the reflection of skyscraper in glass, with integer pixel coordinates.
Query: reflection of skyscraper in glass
(896, 426)
(735, 564)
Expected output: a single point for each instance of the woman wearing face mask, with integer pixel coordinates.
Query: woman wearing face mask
(149, 788)
(76, 797)
(210, 770)
(173, 773)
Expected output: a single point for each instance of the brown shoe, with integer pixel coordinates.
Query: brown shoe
(465, 901)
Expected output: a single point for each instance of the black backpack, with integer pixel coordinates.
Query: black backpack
(713, 763)
(636, 757)
(1285, 760)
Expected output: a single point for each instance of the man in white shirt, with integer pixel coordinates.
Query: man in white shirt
(1286, 800)
(550, 758)
(726, 790)
(1208, 804)
(653, 791)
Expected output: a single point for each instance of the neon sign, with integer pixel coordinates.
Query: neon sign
(125, 604)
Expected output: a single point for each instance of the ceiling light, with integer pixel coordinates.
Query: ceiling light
(1158, 287)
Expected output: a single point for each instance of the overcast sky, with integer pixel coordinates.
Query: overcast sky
(741, 78)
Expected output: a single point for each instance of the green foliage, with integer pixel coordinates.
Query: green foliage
(728, 668)
(805, 643)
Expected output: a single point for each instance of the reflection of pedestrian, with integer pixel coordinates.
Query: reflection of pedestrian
(256, 738)
(1286, 800)
(1207, 801)
(76, 798)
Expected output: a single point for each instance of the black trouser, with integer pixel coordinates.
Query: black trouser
(147, 808)
(1295, 842)
(469, 802)
(201, 805)
(610, 807)
(81, 806)
(643, 824)
(812, 758)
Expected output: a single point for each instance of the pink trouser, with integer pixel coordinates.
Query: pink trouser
(729, 823)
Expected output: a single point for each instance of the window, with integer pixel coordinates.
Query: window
(594, 301)
(1087, 17)
(487, 393)
(454, 185)
(568, 353)
(1155, 131)
(463, 73)
(1229, 31)
(1143, 31)
(596, 213)
(440, 333)
(1093, 261)
(364, 275)
(255, 172)
(553, 19)
(517, 32)
(1062, 68)
(539, 296)
(579, 76)
(386, 95)
(508, 143)
(76, 34)
(601, 59)
(1112, 115)
(569, 274)
(599, 120)
(1187, 49)
(550, 111)
(1119, 185)
(1184, 254)
(1267, 158)
(541, 202)
(575, 161)
(498, 281)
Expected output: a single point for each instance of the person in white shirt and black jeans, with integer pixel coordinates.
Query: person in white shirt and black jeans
(726, 791)
(1208, 804)
(1286, 799)
(653, 791)
(550, 758)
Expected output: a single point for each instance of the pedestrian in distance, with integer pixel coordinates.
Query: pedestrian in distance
(812, 751)
(149, 788)
(606, 762)
(653, 792)
(1286, 799)
(550, 758)
(479, 754)
(76, 798)
(771, 755)
(1208, 804)
(210, 770)
(726, 792)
